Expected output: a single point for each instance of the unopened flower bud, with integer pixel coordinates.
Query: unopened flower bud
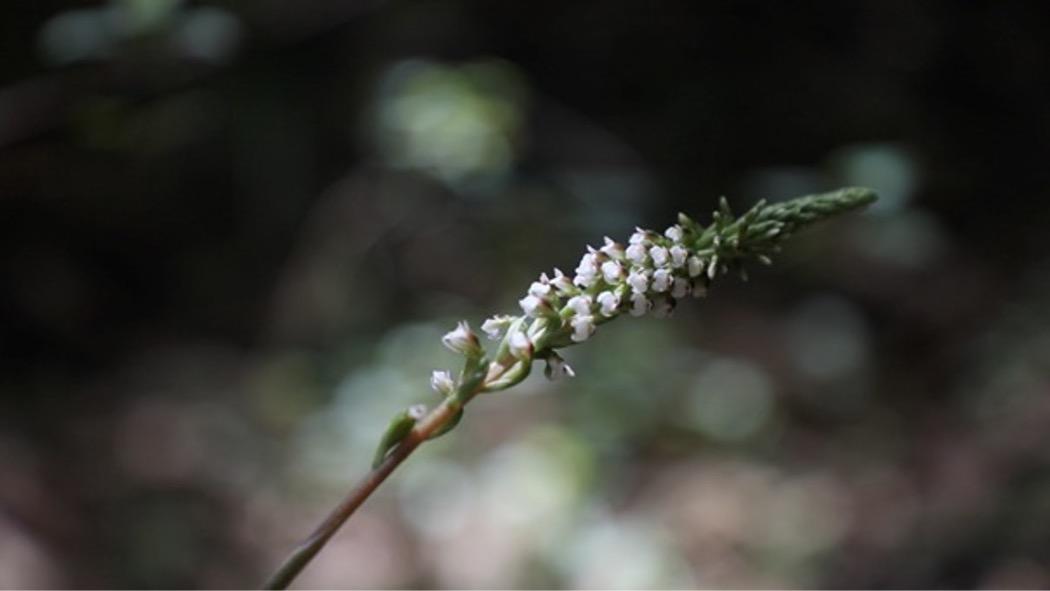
(674, 233)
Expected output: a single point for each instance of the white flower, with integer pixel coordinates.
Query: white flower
(663, 307)
(494, 326)
(638, 280)
(678, 255)
(539, 289)
(612, 271)
(582, 327)
(640, 236)
(534, 307)
(659, 254)
(520, 346)
(680, 289)
(695, 265)
(587, 270)
(581, 304)
(557, 368)
(609, 303)
(442, 383)
(612, 249)
(674, 233)
(639, 304)
(637, 253)
(462, 340)
(585, 281)
(561, 283)
(588, 264)
(661, 280)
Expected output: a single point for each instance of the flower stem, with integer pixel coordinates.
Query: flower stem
(305, 552)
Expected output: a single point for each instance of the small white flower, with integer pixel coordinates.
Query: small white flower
(462, 340)
(678, 255)
(581, 304)
(637, 254)
(674, 233)
(612, 249)
(561, 283)
(660, 255)
(612, 271)
(661, 280)
(663, 307)
(534, 307)
(712, 267)
(640, 236)
(584, 281)
(495, 326)
(557, 368)
(582, 327)
(609, 303)
(639, 304)
(588, 264)
(695, 265)
(587, 270)
(442, 383)
(520, 346)
(638, 280)
(540, 289)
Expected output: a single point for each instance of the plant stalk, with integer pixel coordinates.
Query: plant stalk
(305, 552)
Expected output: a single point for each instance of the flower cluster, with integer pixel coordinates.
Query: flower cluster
(650, 273)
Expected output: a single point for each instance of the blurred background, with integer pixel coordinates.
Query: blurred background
(232, 234)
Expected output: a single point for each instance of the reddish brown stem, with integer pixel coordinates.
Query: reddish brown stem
(305, 552)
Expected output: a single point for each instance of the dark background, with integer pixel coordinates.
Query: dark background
(232, 233)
